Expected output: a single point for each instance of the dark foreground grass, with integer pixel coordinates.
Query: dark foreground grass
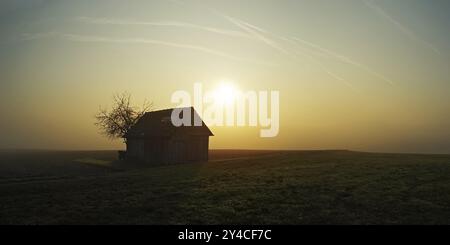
(317, 187)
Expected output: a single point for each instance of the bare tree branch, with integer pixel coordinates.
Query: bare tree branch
(115, 123)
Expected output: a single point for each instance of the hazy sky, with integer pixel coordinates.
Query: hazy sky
(352, 74)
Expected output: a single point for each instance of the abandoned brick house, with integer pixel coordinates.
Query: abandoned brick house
(154, 139)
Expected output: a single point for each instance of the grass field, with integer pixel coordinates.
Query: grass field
(235, 187)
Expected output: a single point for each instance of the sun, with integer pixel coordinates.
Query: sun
(225, 93)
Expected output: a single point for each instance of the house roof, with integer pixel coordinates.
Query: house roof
(159, 124)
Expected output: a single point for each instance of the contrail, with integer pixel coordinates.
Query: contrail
(344, 59)
(323, 51)
(249, 32)
(83, 38)
(254, 31)
(381, 12)
(86, 38)
(327, 71)
(258, 32)
(35, 36)
(249, 29)
(105, 21)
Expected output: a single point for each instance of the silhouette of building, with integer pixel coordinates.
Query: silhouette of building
(154, 139)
